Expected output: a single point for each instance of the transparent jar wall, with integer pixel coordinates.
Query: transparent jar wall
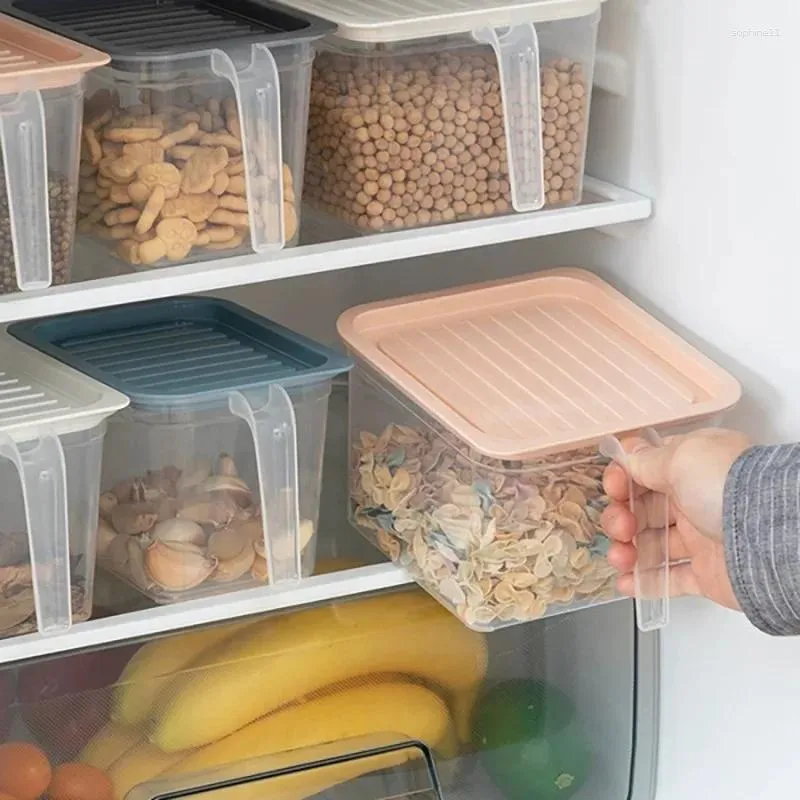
(62, 114)
(178, 470)
(159, 100)
(411, 134)
(496, 542)
(82, 456)
(585, 669)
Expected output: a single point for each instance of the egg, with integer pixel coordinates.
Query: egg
(24, 770)
(80, 782)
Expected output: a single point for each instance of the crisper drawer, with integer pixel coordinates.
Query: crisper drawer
(391, 693)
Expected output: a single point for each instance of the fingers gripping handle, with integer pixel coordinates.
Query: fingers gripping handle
(42, 474)
(651, 573)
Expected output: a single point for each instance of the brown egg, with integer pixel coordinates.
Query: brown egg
(24, 770)
(80, 782)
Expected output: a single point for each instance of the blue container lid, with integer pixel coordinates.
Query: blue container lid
(181, 351)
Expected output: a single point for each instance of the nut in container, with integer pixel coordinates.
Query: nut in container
(476, 419)
(193, 139)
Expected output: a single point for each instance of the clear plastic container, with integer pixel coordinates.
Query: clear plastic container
(212, 477)
(52, 424)
(423, 116)
(194, 137)
(481, 421)
(41, 96)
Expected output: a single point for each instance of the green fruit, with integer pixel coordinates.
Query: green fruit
(531, 742)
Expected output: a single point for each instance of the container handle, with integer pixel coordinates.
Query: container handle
(274, 432)
(43, 476)
(258, 101)
(22, 137)
(651, 581)
(517, 52)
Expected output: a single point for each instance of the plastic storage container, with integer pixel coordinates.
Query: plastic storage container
(194, 137)
(212, 476)
(434, 113)
(41, 96)
(475, 420)
(52, 422)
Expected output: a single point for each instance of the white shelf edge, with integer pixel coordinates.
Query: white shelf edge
(163, 619)
(615, 205)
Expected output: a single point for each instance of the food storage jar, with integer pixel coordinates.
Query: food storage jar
(481, 421)
(52, 423)
(434, 113)
(41, 98)
(212, 477)
(194, 137)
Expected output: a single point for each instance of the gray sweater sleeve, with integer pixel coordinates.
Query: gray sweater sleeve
(761, 521)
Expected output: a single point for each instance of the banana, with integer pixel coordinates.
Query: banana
(108, 745)
(368, 708)
(141, 763)
(275, 661)
(153, 665)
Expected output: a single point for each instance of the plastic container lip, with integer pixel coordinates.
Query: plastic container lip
(40, 396)
(254, 352)
(155, 29)
(519, 412)
(38, 59)
(383, 21)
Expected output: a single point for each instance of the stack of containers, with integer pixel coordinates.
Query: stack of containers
(423, 113)
(41, 97)
(475, 420)
(212, 477)
(52, 424)
(194, 137)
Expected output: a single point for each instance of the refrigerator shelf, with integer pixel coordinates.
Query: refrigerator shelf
(604, 205)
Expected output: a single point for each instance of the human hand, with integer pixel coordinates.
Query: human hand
(689, 473)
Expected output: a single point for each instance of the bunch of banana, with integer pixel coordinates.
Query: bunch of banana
(395, 663)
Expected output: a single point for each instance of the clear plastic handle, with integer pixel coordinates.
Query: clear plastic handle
(22, 137)
(258, 99)
(43, 477)
(517, 52)
(274, 433)
(651, 573)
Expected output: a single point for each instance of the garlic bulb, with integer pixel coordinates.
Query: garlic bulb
(176, 566)
(179, 530)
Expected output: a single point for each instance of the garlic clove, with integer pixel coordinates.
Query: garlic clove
(193, 476)
(177, 567)
(16, 609)
(234, 568)
(105, 535)
(179, 530)
(167, 508)
(133, 518)
(232, 486)
(228, 542)
(226, 466)
(116, 555)
(282, 549)
(259, 570)
(136, 566)
(107, 502)
(156, 482)
(215, 510)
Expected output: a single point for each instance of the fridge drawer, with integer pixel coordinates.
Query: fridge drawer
(549, 706)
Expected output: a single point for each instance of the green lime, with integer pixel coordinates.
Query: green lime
(531, 742)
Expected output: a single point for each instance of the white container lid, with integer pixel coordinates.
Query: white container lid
(39, 395)
(388, 21)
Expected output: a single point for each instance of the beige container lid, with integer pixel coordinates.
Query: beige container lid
(31, 58)
(525, 367)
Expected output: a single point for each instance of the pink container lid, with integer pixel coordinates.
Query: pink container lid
(525, 367)
(31, 58)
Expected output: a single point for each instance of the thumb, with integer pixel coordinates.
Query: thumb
(649, 466)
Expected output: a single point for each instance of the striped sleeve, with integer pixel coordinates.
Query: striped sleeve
(761, 521)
